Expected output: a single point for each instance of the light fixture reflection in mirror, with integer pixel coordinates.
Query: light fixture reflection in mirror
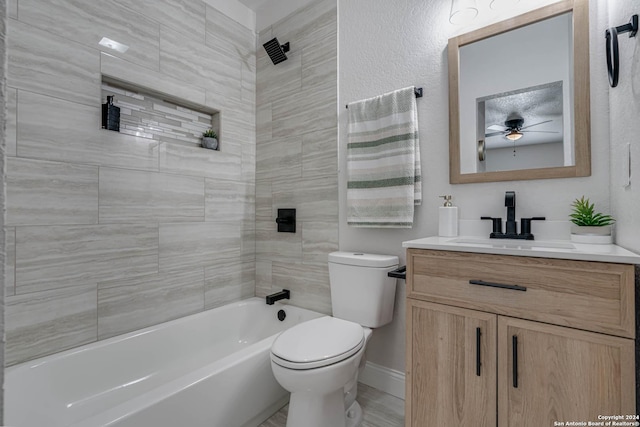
(463, 11)
(514, 135)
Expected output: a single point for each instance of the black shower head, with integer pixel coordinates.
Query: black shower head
(276, 51)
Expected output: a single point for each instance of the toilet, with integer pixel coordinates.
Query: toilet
(318, 361)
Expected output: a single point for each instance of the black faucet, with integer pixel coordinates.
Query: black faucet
(283, 294)
(512, 224)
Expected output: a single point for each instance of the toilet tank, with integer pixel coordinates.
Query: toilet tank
(361, 291)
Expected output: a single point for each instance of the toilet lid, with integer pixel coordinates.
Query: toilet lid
(318, 342)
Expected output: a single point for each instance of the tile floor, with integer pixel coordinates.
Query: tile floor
(380, 410)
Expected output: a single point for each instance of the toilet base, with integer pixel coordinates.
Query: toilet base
(354, 415)
(305, 412)
(311, 410)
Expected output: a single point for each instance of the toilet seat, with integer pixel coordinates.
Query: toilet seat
(317, 343)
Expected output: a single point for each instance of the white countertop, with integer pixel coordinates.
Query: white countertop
(560, 249)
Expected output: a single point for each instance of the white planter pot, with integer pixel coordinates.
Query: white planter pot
(211, 143)
(592, 235)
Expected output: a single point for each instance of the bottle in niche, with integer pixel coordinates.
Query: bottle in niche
(110, 115)
(448, 219)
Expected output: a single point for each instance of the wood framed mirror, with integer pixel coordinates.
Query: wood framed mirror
(519, 98)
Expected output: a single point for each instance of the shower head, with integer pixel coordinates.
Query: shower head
(276, 51)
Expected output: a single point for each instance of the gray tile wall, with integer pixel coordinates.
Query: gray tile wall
(297, 164)
(108, 232)
(5, 132)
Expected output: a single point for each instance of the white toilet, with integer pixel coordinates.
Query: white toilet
(318, 360)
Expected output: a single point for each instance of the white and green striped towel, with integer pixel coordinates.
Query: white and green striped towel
(383, 161)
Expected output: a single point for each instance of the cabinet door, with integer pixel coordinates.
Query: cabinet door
(561, 374)
(446, 383)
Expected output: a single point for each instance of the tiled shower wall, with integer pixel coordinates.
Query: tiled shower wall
(296, 156)
(3, 69)
(108, 232)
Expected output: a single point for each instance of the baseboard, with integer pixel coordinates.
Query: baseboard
(384, 379)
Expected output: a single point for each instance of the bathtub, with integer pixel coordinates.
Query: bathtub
(211, 369)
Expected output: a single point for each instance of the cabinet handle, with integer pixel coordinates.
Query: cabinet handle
(478, 361)
(497, 285)
(514, 342)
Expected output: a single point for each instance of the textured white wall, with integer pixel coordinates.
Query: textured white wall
(388, 45)
(625, 129)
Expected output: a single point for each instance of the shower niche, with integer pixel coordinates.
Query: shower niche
(153, 115)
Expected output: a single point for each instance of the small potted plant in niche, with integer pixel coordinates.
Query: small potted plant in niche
(590, 226)
(210, 139)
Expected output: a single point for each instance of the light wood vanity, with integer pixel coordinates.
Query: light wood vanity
(504, 340)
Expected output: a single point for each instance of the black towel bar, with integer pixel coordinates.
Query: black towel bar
(416, 90)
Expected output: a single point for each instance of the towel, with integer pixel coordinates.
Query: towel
(383, 161)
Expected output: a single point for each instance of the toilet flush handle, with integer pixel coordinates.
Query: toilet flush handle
(399, 273)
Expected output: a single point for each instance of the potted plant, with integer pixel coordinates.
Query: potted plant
(210, 139)
(590, 226)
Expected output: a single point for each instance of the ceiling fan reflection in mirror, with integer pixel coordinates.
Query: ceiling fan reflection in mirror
(514, 129)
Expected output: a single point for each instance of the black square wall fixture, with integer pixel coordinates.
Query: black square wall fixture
(286, 220)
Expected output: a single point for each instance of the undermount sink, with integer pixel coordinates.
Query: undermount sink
(512, 244)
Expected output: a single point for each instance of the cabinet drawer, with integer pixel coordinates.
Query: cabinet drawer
(586, 295)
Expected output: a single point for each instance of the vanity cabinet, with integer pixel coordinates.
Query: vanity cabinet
(531, 341)
(562, 374)
(443, 387)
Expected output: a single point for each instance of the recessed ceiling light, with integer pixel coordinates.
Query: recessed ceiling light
(112, 44)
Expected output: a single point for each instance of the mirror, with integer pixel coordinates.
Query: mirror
(519, 97)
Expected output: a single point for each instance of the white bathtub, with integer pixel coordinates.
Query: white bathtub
(210, 369)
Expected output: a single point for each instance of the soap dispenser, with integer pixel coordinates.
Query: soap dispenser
(448, 219)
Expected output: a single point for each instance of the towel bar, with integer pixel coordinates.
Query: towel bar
(417, 91)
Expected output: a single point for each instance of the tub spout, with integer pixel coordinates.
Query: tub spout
(278, 296)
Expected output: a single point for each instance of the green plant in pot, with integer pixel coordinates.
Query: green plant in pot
(589, 226)
(210, 139)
